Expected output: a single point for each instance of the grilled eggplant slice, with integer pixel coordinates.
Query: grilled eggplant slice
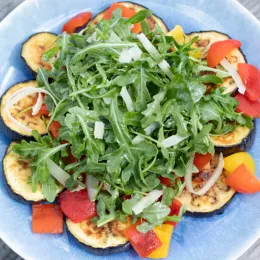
(152, 20)
(33, 49)
(215, 200)
(239, 140)
(105, 240)
(16, 173)
(206, 38)
(26, 118)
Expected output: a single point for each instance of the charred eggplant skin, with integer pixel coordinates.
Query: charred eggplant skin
(211, 213)
(100, 251)
(244, 146)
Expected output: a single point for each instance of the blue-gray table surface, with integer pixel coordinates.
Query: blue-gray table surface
(6, 6)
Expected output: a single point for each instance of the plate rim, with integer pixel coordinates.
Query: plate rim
(5, 22)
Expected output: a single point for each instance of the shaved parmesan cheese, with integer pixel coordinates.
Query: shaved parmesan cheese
(125, 57)
(92, 187)
(138, 139)
(147, 201)
(165, 67)
(127, 99)
(173, 140)
(149, 46)
(232, 70)
(99, 130)
(135, 52)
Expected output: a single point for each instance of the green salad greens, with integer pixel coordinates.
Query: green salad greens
(154, 108)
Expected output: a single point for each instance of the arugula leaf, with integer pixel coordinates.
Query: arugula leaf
(140, 16)
(127, 205)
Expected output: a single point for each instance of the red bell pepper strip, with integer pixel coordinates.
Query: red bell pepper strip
(165, 181)
(144, 244)
(77, 21)
(247, 107)
(126, 13)
(76, 205)
(200, 160)
(219, 50)
(243, 181)
(47, 219)
(251, 78)
(175, 210)
(54, 128)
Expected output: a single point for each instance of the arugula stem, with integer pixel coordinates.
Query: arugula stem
(25, 110)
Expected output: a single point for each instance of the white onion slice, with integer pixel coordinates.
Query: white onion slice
(149, 129)
(17, 96)
(149, 46)
(36, 108)
(92, 187)
(99, 130)
(173, 140)
(138, 139)
(135, 52)
(232, 70)
(127, 99)
(165, 67)
(147, 201)
(125, 57)
(212, 180)
(59, 174)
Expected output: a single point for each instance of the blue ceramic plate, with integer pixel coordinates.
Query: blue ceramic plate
(221, 237)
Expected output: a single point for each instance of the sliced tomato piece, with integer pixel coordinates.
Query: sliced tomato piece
(247, 107)
(54, 128)
(144, 244)
(47, 219)
(200, 160)
(76, 205)
(251, 79)
(165, 181)
(219, 50)
(243, 181)
(77, 21)
(126, 13)
(43, 111)
(175, 210)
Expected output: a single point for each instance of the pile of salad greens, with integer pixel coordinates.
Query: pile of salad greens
(151, 132)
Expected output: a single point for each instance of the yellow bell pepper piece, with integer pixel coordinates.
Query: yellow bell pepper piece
(178, 34)
(233, 161)
(164, 233)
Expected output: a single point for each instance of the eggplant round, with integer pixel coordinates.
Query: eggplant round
(106, 240)
(151, 21)
(239, 140)
(16, 172)
(33, 49)
(26, 118)
(215, 200)
(206, 38)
